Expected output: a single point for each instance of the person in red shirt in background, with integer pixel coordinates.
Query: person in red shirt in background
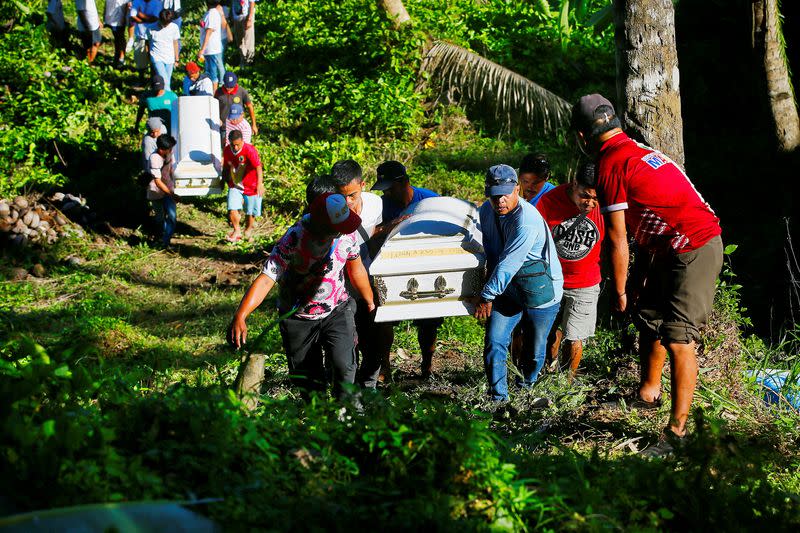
(645, 193)
(578, 228)
(245, 177)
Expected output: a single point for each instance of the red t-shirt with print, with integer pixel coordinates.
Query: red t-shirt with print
(579, 252)
(244, 164)
(663, 210)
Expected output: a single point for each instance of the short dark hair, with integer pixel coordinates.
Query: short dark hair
(535, 164)
(605, 121)
(166, 16)
(165, 142)
(212, 3)
(319, 185)
(234, 135)
(345, 171)
(587, 176)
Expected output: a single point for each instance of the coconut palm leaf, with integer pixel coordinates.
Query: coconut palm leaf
(513, 100)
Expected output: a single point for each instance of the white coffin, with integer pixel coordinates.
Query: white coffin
(198, 154)
(430, 263)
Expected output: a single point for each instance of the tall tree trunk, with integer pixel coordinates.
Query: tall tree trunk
(648, 89)
(768, 40)
(396, 11)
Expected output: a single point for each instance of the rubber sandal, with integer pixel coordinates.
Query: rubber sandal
(231, 238)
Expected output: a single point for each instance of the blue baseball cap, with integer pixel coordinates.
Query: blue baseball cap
(236, 111)
(230, 79)
(500, 180)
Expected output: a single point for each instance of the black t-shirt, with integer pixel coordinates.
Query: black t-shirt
(226, 100)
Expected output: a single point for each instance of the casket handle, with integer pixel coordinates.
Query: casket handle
(440, 286)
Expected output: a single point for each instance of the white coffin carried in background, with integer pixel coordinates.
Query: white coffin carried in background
(430, 263)
(198, 154)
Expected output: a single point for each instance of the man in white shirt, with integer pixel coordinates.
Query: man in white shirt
(244, 33)
(211, 43)
(346, 179)
(89, 27)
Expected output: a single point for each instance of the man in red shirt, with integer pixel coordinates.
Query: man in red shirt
(245, 177)
(578, 230)
(645, 193)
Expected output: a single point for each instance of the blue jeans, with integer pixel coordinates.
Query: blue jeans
(164, 70)
(536, 324)
(167, 215)
(215, 68)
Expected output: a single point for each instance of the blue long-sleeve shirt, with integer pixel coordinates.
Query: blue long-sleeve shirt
(525, 237)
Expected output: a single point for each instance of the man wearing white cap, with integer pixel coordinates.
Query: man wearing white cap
(310, 263)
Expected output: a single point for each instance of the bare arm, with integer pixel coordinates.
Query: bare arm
(207, 36)
(259, 289)
(250, 15)
(177, 50)
(260, 188)
(618, 236)
(252, 110)
(360, 280)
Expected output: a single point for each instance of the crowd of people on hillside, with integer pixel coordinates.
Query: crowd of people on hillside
(542, 242)
(151, 30)
(543, 248)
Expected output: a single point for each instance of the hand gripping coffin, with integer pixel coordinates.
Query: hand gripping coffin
(431, 263)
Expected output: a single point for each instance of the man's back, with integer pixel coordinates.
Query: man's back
(664, 211)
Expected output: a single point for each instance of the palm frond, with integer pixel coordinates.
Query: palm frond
(461, 76)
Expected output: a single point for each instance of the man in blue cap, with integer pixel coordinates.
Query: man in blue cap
(231, 93)
(524, 282)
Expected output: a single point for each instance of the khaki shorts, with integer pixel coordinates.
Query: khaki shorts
(141, 58)
(678, 293)
(579, 312)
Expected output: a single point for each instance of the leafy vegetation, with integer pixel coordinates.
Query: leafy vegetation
(114, 379)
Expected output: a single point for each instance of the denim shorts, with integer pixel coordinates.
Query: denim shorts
(238, 201)
(214, 67)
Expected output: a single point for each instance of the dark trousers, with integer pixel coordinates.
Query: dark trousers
(305, 341)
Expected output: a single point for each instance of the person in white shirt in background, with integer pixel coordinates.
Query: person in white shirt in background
(163, 46)
(89, 27)
(115, 17)
(244, 31)
(211, 43)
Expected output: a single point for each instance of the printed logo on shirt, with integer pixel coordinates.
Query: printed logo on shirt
(579, 243)
(237, 100)
(655, 160)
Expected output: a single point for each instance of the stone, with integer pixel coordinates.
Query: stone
(21, 202)
(38, 270)
(57, 197)
(18, 274)
(5, 209)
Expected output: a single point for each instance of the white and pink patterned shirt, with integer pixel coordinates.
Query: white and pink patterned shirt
(243, 126)
(311, 272)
